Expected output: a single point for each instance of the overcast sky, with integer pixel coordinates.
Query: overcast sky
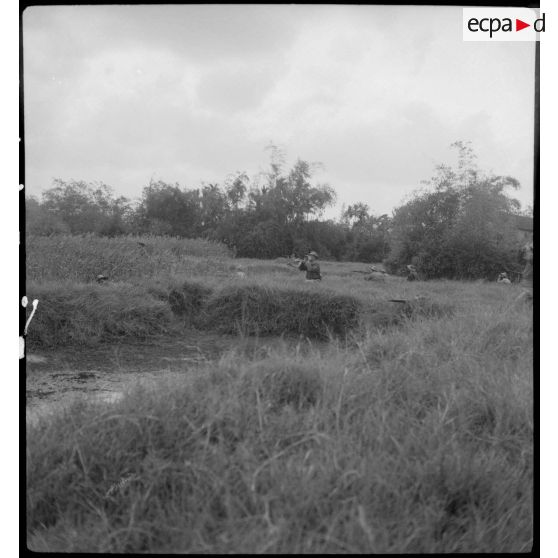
(123, 94)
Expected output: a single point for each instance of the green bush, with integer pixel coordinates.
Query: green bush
(295, 383)
(407, 445)
(89, 313)
(262, 310)
(82, 258)
(463, 227)
(188, 299)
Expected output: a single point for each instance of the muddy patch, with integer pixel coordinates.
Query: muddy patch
(36, 359)
(55, 379)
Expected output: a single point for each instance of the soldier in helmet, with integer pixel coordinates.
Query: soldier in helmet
(311, 266)
(527, 275)
(412, 273)
(503, 278)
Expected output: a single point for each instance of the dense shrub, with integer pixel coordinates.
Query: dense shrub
(408, 445)
(465, 228)
(89, 314)
(82, 258)
(188, 299)
(259, 310)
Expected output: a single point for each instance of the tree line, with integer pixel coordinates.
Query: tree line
(461, 224)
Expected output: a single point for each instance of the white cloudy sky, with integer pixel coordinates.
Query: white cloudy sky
(121, 94)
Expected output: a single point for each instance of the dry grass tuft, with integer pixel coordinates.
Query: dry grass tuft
(89, 314)
(269, 310)
(409, 444)
(82, 258)
(188, 299)
(410, 431)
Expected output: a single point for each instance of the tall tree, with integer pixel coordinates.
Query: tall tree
(87, 207)
(462, 227)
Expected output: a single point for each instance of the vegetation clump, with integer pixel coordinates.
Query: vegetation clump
(406, 445)
(82, 258)
(390, 438)
(462, 225)
(89, 314)
(188, 299)
(294, 383)
(269, 310)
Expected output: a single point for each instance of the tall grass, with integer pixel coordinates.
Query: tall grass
(253, 309)
(417, 439)
(82, 314)
(78, 313)
(410, 431)
(82, 258)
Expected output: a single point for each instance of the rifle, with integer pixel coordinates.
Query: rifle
(370, 271)
(296, 262)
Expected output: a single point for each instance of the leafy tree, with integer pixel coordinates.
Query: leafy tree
(369, 235)
(166, 203)
(87, 207)
(463, 227)
(40, 221)
(357, 213)
(236, 189)
(213, 207)
(279, 207)
(328, 238)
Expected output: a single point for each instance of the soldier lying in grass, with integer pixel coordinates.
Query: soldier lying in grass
(311, 266)
(503, 278)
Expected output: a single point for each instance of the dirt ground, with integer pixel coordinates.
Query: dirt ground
(54, 378)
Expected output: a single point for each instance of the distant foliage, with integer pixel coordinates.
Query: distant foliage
(271, 215)
(80, 207)
(462, 227)
(83, 258)
(368, 236)
(41, 221)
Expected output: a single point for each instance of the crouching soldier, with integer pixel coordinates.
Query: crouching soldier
(527, 275)
(503, 278)
(311, 266)
(412, 273)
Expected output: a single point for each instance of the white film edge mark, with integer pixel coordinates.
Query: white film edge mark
(24, 302)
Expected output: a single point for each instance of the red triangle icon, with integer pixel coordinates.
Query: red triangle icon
(519, 25)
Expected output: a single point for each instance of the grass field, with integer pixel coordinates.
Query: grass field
(362, 426)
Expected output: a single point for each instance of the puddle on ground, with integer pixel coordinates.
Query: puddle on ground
(54, 379)
(52, 391)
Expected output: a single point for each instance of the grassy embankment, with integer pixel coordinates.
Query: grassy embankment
(155, 288)
(411, 434)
